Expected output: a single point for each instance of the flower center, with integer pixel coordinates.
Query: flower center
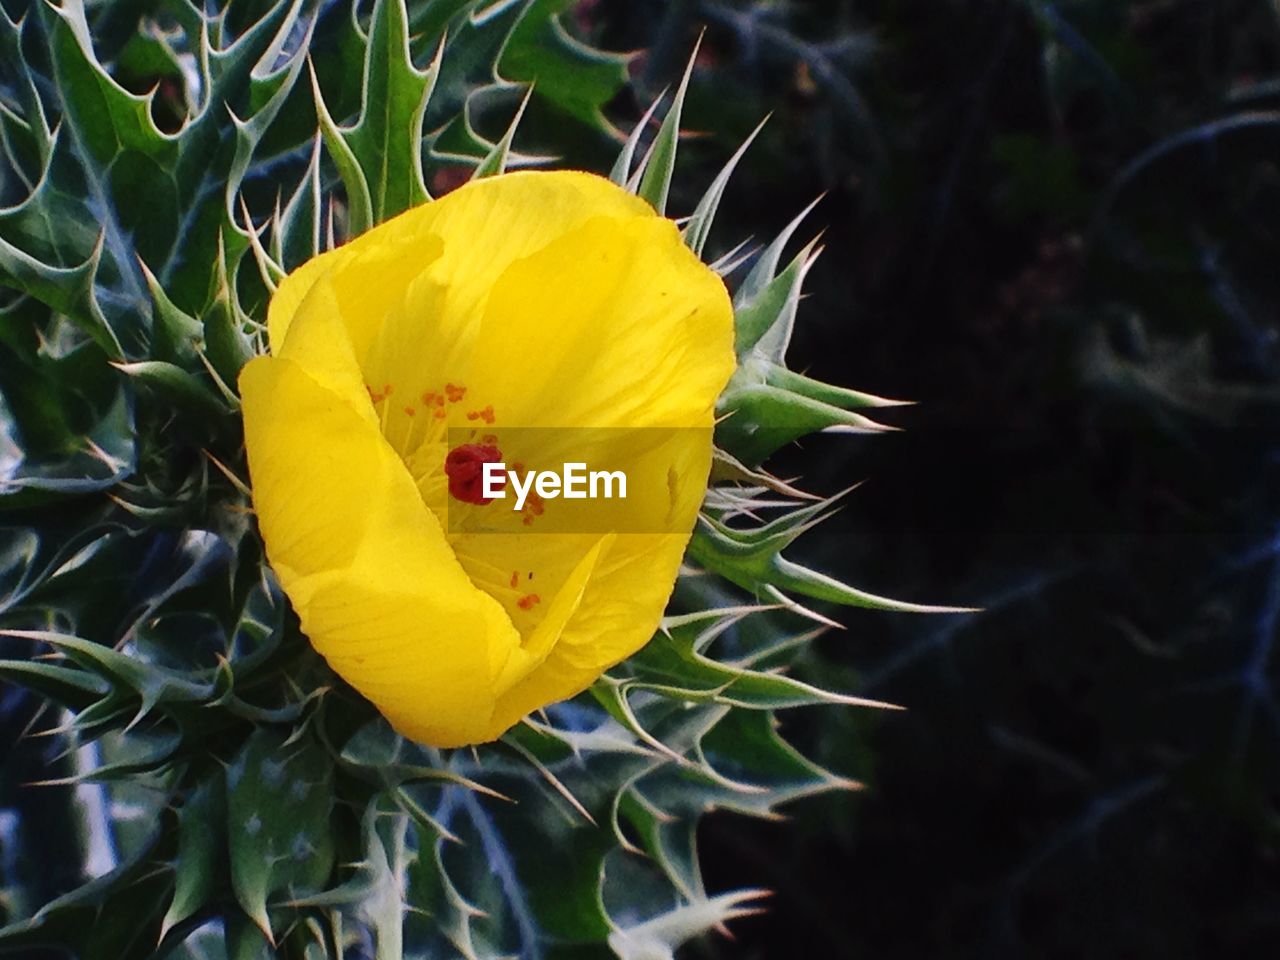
(464, 466)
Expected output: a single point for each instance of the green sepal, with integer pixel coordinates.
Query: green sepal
(698, 228)
(770, 313)
(777, 375)
(761, 570)
(758, 419)
(659, 164)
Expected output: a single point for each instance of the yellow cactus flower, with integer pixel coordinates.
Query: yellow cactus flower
(528, 300)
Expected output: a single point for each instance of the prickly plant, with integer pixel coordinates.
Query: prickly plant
(186, 777)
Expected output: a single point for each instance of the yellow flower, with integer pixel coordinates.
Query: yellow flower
(544, 300)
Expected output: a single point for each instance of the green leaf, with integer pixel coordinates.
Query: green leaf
(574, 77)
(113, 917)
(765, 268)
(115, 189)
(658, 937)
(184, 389)
(297, 235)
(151, 684)
(675, 658)
(279, 804)
(65, 417)
(469, 81)
(201, 839)
(380, 155)
(74, 689)
(761, 570)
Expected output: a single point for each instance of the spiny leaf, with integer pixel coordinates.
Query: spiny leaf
(725, 468)
(659, 165)
(698, 228)
(777, 375)
(175, 334)
(621, 173)
(72, 688)
(277, 846)
(765, 574)
(296, 235)
(765, 268)
(676, 657)
(183, 388)
(819, 586)
(496, 160)
(760, 419)
(113, 917)
(386, 137)
(658, 937)
(771, 313)
(201, 836)
(471, 80)
(576, 78)
(152, 685)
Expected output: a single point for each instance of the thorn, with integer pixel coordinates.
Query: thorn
(227, 392)
(236, 482)
(113, 463)
(555, 782)
(801, 610)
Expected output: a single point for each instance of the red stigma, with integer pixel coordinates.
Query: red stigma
(464, 466)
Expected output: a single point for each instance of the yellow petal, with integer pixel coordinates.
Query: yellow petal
(615, 323)
(318, 343)
(379, 592)
(563, 607)
(369, 276)
(485, 227)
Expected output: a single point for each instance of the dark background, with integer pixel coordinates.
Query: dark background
(1054, 226)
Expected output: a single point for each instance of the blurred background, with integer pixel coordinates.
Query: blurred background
(1056, 226)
